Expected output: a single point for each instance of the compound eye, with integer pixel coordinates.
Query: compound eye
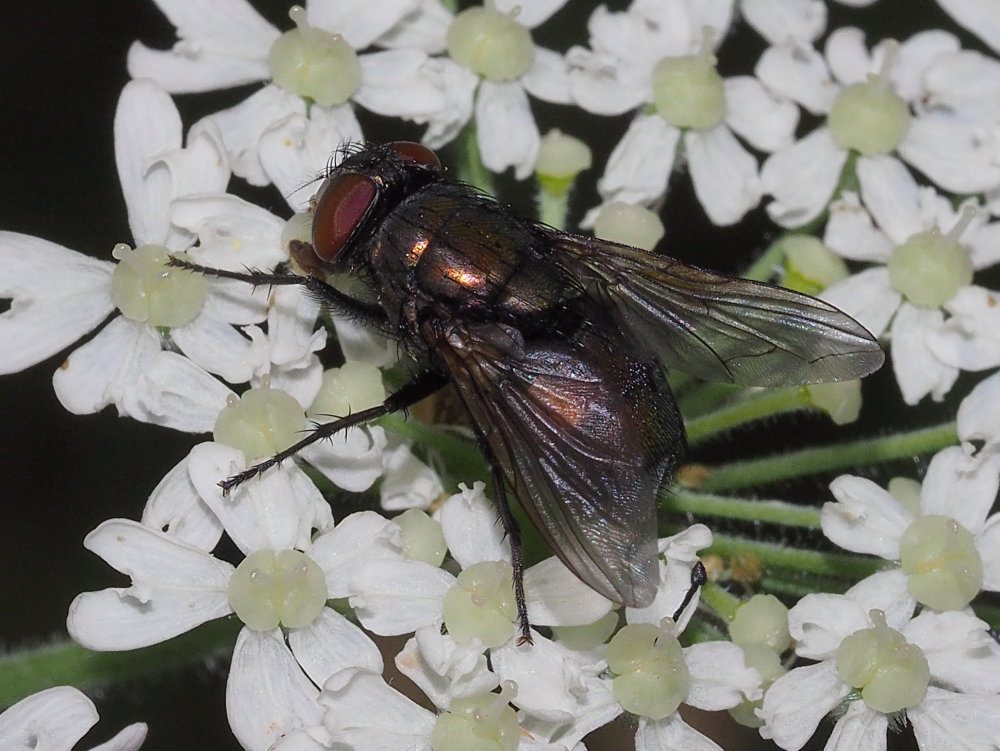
(341, 206)
(415, 153)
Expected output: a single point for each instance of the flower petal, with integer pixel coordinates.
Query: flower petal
(267, 694)
(796, 71)
(865, 518)
(867, 296)
(356, 20)
(945, 719)
(724, 174)
(796, 702)
(505, 128)
(957, 156)
(55, 718)
(472, 527)
(330, 644)
(780, 21)
(361, 537)
(764, 121)
(175, 507)
(917, 370)
(398, 723)
(556, 597)
(56, 296)
(671, 732)
(960, 652)
(444, 669)
(175, 587)
(979, 18)
(851, 234)
(640, 165)
(398, 596)
(960, 486)
(802, 178)
(860, 727)
(720, 678)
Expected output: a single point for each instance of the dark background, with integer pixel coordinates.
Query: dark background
(61, 475)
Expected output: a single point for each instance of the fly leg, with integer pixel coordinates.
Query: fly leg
(516, 555)
(422, 386)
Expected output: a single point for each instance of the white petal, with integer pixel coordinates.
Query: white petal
(720, 678)
(988, 546)
(779, 21)
(175, 587)
(444, 669)
(979, 413)
(243, 125)
(361, 537)
(267, 694)
(640, 165)
(233, 234)
(865, 519)
(548, 77)
(357, 20)
(724, 174)
(351, 460)
(295, 149)
(505, 128)
(960, 652)
(424, 29)
(917, 371)
(671, 733)
(765, 122)
(222, 349)
(275, 511)
(802, 178)
(175, 507)
(459, 86)
(859, 728)
(600, 84)
(291, 323)
(891, 195)
(796, 71)
(364, 712)
(949, 720)
(398, 596)
(56, 296)
(179, 72)
(174, 392)
(530, 14)
(472, 527)
(408, 482)
(848, 56)
(56, 717)
(92, 376)
(920, 73)
(393, 85)
(820, 621)
(130, 738)
(957, 156)
(330, 644)
(978, 17)
(553, 687)
(959, 486)
(867, 296)
(887, 591)
(851, 233)
(147, 125)
(556, 597)
(796, 702)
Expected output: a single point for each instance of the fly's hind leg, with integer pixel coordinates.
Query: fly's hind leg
(517, 557)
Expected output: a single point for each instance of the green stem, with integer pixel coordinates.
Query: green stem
(755, 406)
(552, 207)
(774, 555)
(722, 602)
(68, 664)
(757, 472)
(682, 501)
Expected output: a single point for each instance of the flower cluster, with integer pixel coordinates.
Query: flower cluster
(878, 161)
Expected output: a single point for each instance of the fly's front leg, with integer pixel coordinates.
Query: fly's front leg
(423, 386)
(339, 302)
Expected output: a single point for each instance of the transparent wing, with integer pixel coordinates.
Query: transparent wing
(584, 434)
(718, 327)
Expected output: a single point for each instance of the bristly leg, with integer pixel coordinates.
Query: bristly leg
(516, 554)
(369, 313)
(424, 385)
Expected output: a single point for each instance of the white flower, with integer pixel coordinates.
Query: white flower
(55, 719)
(979, 415)
(940, 668)
(978, 16)
(292, 643)
(870, 114)
(944, 540)
(659, 54)
(174, 198)
(503, 65)
(930, 251)
(285, 131)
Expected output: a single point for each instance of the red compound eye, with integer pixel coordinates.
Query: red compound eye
(417, 153)
(341, 206)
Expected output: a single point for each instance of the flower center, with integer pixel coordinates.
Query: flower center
(485, 722)
(490, 43)
(940, 558)
(891, 673)
(481, 604)
(629, 224)
(929, 268)
(652, 677)
(283, 587)
(688, 91)
(260, 423)
(314, 64)
(352, 387)
(146, 290)
(870, 117)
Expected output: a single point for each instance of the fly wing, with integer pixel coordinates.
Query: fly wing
(584, 433)
(718, 327)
